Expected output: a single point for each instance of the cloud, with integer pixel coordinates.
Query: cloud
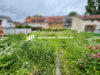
(19, 9)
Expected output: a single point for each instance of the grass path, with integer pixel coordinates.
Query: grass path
(58, 67)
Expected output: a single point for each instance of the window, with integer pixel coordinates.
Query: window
(33, 21)
(40, 20)
(0, 22)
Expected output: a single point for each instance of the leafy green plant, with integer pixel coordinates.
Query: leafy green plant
(89, 64)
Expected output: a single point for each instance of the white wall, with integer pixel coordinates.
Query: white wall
(45, 25)
(16, 31)
(79, 24)
(89, 22)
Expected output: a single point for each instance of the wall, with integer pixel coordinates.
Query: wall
(89, 22)
(77, 24)
(56, 25)
(16, 31)
(44, 25)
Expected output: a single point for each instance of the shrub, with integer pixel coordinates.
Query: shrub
(90, 62)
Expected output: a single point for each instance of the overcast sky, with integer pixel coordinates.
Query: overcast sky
(18, 10)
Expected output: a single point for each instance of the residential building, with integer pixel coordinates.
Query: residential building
(56, 22)
(86, 23)
(5, 22)
(18, 23)
(45, 22)
(36, 21)
(68, 21)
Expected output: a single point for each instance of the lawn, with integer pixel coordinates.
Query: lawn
(37, 56)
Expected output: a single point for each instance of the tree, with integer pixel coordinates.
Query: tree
(93, 7)
(73, 13)
(36, 15)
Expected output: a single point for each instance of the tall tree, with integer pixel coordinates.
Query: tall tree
(93, 7)
(73, 13)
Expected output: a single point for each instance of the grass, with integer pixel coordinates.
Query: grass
(38, 55)
(25, 57)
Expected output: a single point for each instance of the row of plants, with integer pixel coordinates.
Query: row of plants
(22, 26)
(55, 29)
(66, 33)
(77, 58)
(20, 57)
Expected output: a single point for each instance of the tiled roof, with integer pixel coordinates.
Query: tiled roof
(44, 19)
(18, 23)
(91, 17)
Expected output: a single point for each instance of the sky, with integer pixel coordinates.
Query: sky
(18, 10)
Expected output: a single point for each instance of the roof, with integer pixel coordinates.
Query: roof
(6, 17)
(51, 19)
(18, 23)
(90, 17)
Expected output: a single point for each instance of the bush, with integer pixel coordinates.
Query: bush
(21, 26)
(55, 29)
(89, 64)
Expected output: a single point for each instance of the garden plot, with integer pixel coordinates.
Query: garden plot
(28, 57)
(37, 56)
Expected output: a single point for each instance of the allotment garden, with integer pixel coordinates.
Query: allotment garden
(79, 55)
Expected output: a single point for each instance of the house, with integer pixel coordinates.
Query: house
(55, 22)
(68, 21)
(5, 22)
(86, 23)
(45, 22)
(17, 23)
(36, 22)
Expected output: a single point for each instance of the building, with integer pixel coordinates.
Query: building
(18, 23)
(56, 22)
(36, 21)
(68, 21)
(45, 22)
(86, 23)
(5, 22)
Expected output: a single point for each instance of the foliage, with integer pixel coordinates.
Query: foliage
(55, 29)
(21, 26)
(37, 15)
(20, 57)
(89, 64)
(73, 13)
(93, 7)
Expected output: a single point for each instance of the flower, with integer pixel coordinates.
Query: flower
(80, 64)
(95, 48)
(77, 63)
(79, 59)
(99, 45)
(89, 47)
(93, 55)
(98, 55)
(86, 53)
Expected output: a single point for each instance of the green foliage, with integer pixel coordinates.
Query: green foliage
(42, 53)
(55, 29)
(73, 13)
(93, 7)
(21, 26)
(89, 63)
(37, 15)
